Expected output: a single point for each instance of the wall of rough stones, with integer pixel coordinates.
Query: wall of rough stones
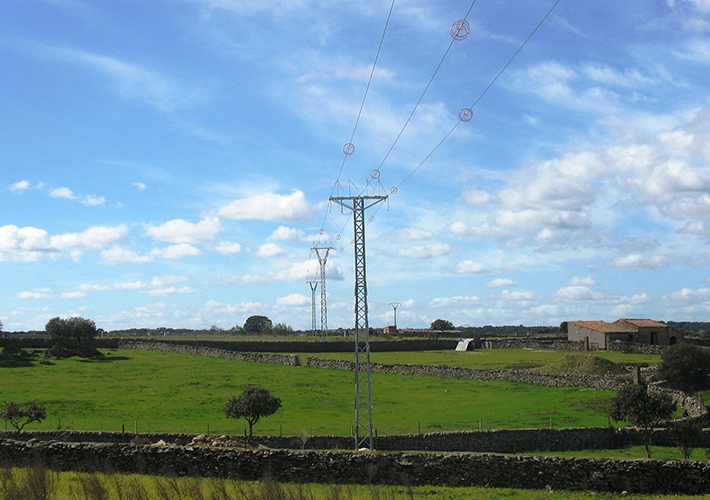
(493, 441)
(449, 469)
(526, 376)
(255, 357)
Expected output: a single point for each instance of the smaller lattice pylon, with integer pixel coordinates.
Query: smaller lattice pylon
(313, 285)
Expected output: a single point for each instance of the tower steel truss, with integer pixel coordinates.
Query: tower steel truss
(322, 259)
(364, 437)
(313, 285)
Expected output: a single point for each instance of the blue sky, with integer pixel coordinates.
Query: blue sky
(169, 163)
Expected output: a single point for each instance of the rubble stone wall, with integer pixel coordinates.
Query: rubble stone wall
(255, 357)
(526, 376)
(445, 469)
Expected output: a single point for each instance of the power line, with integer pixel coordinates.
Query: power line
(470, 109)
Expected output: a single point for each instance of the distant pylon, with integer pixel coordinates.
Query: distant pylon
(313, 285)
(395, 305)
(322, 259)
(364, 435)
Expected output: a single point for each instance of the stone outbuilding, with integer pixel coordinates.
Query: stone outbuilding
(599, 334)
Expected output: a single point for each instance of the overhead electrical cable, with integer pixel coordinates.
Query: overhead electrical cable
(483, 93)
(426, 88)
(364, 97)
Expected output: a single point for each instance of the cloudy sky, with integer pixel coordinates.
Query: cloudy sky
(170, 163)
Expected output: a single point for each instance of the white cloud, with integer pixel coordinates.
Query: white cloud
(66, 193)
(177, 251)
(271, 207)
(425, 251)
(19, 187)
(470, 267)
(62, 192)
(501, 283)
(181, 231)
(41, 293)
(457, 301)
(640, 262)
(294, 300)
(169, 291)
(140, 185)
(117, 254)
(582, 281)
(228, 248)
(73, 295)
(95, 237)
(270, 250)
(287, 234)
(298, 271)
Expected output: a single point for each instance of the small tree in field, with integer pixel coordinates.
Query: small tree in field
(441, 325)
(634, 404)
(254, 403)
(258, 324)
(19, 415)
(77, 329)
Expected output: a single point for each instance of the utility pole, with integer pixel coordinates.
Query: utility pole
(364, 436)
(313, 285)
(394, 306)
(322, 259)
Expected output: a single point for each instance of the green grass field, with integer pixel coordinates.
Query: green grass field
(162, 392)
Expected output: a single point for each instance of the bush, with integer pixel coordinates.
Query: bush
(685, 366)
(72, 329)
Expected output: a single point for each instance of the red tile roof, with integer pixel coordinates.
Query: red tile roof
(603, 326)
(648, 323)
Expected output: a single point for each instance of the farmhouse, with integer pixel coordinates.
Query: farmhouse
(598, 334)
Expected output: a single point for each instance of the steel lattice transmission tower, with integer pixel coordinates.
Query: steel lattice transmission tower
(322, 259)
(364, 437)
(313, 285)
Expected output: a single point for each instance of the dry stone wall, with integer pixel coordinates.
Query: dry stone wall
(526, 376)
(445, 469)
(280, 359)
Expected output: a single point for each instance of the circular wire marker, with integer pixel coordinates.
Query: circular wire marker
(341, 249)
(466, 114)
(371, 218)
(322, 231)
(393, 190)
(460, 29)
(337, 237)
(349, 148)
(352, 242)
(375, 174)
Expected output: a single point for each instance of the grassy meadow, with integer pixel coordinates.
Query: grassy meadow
(164, 392)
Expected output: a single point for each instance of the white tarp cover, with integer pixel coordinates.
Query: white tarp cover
(463, 344)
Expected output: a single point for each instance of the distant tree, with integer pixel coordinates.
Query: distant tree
(282, 329)
(19, 415)
(1, 325)
(258, 324)
(254, 403)
(637, 406)
(76, 328)
(236, 330)
(441, 324)
(685, 366)
(564, 327)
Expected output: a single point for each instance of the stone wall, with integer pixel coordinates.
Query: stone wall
(526, 376)
(255, 357)
(493, 441)
(449, 469)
